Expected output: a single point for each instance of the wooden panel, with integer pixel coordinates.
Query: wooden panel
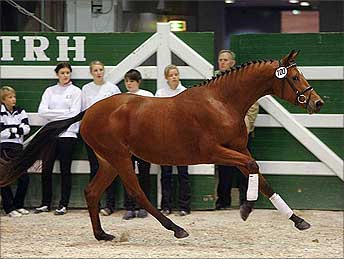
(306, 192)
(317, 49)
(277, 143)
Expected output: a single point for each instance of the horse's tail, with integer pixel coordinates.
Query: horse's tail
(11, 169)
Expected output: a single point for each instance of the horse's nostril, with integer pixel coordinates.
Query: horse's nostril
(318, 105)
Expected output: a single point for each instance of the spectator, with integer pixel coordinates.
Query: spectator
(14, 124)
(92, 92)
(184, 198)
(132, 81)
(61, 101)
(226, 60)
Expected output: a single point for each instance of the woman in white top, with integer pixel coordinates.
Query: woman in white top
(132, 80)
(59, 102)
(174, 87)
(93, 92)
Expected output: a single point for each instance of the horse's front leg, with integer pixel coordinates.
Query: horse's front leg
(249, 167)
(103, 178)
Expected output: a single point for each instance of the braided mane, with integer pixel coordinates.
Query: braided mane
(233, 69)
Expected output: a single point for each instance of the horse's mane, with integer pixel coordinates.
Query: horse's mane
(233, 69)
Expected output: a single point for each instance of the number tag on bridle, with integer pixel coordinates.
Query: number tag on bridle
(281, 72)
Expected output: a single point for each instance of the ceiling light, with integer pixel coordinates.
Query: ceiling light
(294, 1)
(305, 4)
(229, 1)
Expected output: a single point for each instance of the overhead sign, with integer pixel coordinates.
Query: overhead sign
(178, 25)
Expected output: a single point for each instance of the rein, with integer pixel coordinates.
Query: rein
(281, 73)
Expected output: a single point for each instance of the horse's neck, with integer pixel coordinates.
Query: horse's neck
(242, 88)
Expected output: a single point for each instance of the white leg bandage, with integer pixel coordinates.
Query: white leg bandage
(280, 205)
(252, 190)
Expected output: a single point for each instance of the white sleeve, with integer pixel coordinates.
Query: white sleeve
(116, 90)
(5, 134)
(24, 123)
(45, 112)
(75, 108)
(83, 100)
(157, 93)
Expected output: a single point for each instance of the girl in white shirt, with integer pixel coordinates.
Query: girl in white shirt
(132, 80)
(184, 197)
(59, 102)
(93, 92)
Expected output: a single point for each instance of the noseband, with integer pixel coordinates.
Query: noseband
(281, 73)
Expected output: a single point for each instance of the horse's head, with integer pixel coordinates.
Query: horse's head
(293, 86)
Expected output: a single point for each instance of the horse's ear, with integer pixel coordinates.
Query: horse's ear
(290, 58)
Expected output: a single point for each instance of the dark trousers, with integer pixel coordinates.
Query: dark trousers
(144, 180)
(94, 165)
(184, 196)
(11, 202)
(226, 175)
(62, 150)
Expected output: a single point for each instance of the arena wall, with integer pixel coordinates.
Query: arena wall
(302, 189)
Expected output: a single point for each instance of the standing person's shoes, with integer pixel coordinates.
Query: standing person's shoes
(23, 211)
(106, 211)
(14, 214)
(130, 214)
(221, 206)
(142, 213)
(166, 212)
(60, 211)
(41, 209)
(183, 213)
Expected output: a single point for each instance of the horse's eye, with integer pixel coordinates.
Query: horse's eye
(296, 78)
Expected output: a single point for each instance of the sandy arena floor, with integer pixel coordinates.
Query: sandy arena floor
(213, 234)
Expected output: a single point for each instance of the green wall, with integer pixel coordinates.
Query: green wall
(276, 144)
(270, 144)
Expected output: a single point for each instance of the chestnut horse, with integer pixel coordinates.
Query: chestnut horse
(202, 125)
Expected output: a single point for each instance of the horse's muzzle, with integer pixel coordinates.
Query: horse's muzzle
(315, 106)
(318, 105)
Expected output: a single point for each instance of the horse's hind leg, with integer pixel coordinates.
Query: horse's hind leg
(131, 184)
(103, 178)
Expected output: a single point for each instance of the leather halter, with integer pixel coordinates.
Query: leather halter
(300, 96)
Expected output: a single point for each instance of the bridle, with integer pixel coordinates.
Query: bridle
(281, 73)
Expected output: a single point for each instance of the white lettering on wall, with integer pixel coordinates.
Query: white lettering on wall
(78, 48)
(31, 50)
(6, 47)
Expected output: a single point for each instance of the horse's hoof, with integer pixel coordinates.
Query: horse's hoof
(181, 233)
(245, 210)
(302, 225)
(104, 236)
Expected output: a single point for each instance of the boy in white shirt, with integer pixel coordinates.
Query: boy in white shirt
(14, 124)
(132, 81)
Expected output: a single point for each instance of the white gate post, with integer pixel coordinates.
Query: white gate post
(164, 56)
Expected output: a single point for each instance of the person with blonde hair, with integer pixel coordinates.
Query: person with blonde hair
(174, 88)
(91, 93)
(14, 125)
